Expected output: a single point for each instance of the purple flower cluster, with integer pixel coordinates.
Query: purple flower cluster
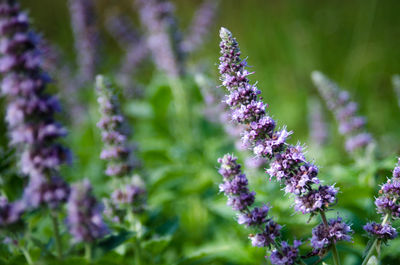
(84, 218)
(83, 21)
(287, 162)
(116, 151)
(383, 232)
(235, 187)
(163, 37)
(132, 196)
(338, 101)
(388, 206)
(288, 254)
(10, 213)
(200, 25)
(323, 236)
(30, 110)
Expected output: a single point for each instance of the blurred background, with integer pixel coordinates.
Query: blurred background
(356, 43)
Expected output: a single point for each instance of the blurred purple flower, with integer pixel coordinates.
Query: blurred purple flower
(30, 111)
(338, 101)
(83, 22)
(200, 26)
(162, 35)
(84, 214)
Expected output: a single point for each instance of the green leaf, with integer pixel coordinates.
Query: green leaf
(112, 242)
(156, 245)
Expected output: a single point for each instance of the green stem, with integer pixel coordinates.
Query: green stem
(27, 255)
(57, 236)
(137, 252)
(335, 254)
(88, 252)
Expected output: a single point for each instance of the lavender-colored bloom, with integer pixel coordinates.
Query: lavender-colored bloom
(287, 162)
(288, 254)
(324, 236)
(338, 101)
(316, 200)
(317, 124)
(235, 187)
(83, 21)
(116, 150)
(84, 218)
(268, 236)
(10, 213)
(383, 232)
(163, 38)
(132, 196)
(200, 25)
(30, 112)
(255, 217)
(387, 202)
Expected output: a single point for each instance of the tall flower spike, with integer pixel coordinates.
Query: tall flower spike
(83, 21)
(84, 214)
(338, 101)
(241, 199)
(30, 111)
(317, 124)
(163, 37)
(200, 26)
(114, 134)
(118, 154)
(287, 162)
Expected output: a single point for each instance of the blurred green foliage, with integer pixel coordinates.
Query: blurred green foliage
(354, 42)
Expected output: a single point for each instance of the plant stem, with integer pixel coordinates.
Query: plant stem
(88, 252)
(56, 231)
(137, 252)
(375, 243)
(27, 255)
(335, 254)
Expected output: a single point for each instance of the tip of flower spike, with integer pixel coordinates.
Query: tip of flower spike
(317, 76)
(224, 33)
(99, 81)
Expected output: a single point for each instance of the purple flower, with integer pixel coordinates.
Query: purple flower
(200, 26)
(10, 213)
(131, 196)
(316, 200)
(287, 255)
(163, 37)
(383, 232)
(324, 236)
(42, 192)
(84, 217)
(116, 151)
(338, 101)
(267, 236)
(255, 217)
(30, 111)
(241, 199)
(83, 21)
